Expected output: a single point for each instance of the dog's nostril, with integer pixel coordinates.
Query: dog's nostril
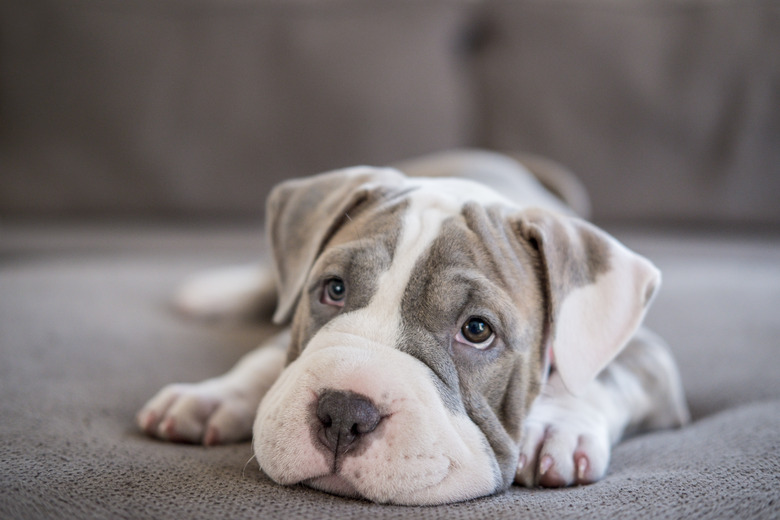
(345, 418)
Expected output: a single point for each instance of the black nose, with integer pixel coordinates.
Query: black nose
(346, 418)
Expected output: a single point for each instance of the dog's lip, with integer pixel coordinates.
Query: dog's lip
(335, 484)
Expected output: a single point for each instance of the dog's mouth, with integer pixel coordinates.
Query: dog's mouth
(352, 486)
(334, 484)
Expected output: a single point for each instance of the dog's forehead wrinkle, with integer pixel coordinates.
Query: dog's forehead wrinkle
(463, 263)
(500, 249)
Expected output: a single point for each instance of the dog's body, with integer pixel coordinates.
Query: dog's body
(452, 330)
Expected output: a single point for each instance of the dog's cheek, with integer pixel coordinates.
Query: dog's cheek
(398, 464)
(443, 459)
(282, 431)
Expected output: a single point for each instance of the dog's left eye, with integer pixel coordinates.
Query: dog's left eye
(333, 292)
(476, 332)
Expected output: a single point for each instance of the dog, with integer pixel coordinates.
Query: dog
(451, 327)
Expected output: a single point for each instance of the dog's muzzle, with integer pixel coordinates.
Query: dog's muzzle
(356, 418)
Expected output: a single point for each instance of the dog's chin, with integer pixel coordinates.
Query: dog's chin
(335, 485)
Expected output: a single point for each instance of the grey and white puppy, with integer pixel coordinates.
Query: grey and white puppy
(451, 328)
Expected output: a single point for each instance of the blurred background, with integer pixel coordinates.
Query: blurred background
(668, 110)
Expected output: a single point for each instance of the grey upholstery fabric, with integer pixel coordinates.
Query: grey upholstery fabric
(666, 108)
(86, 337)
(196, 107)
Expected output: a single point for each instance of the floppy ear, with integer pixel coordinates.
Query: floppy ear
(303, 214)
(597, 292)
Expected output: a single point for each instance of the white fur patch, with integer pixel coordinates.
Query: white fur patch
(597, 320)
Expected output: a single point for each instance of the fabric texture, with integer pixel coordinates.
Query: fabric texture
(180, 107)
(87, 336)
(667, 109)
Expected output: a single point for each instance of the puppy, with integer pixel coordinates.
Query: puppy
(451, 328)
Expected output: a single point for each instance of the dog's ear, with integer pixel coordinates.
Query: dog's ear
(303, 214)
(597, 292)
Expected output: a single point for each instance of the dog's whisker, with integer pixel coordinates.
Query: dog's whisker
(243, 470)
(356, 228)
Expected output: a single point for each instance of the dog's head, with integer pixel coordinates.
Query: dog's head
(424, 315)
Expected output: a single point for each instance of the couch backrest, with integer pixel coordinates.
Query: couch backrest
(667, 109)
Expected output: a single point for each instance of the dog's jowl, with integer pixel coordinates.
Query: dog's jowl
(451, 327)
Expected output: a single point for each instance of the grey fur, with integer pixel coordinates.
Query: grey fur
(479, 267)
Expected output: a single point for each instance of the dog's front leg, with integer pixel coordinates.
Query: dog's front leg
(219, 410)
(567, 439)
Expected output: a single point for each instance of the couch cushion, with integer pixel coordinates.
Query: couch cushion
(86, 337)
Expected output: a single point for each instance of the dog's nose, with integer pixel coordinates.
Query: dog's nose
(346, 418)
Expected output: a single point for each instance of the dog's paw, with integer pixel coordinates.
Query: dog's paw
(209, 413)
(565, 452)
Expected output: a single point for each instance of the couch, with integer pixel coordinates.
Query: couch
(137, 143)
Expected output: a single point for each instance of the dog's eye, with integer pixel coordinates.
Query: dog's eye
(334, 292)
(476, 332)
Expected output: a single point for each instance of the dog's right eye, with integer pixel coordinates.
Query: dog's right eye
(333, 292)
